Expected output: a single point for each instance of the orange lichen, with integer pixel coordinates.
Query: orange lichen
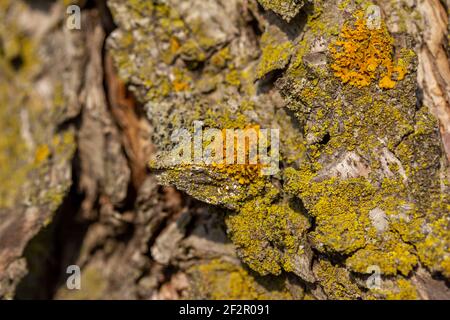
(243, 173)
(41, 154)
(174, 45)
(180, 86)
(181, 81)
(362, 54)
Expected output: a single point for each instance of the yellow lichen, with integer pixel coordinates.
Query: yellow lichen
(336, 281)
(275, 55)
(288, 9)
(267, 235)
(434, 251)
(233, 78)
(390, 257)
(221, 58)
(404, 290)
(342, 208)
(220, 280)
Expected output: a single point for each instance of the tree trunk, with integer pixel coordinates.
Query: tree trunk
(90, 119)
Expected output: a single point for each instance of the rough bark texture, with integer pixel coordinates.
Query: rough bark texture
(87, 178)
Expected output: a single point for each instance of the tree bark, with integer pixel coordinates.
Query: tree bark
(88, 119)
